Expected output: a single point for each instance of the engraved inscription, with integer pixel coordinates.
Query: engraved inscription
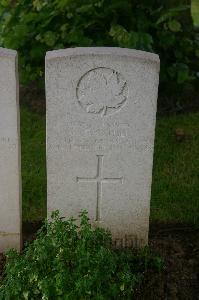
(99, 180)
(102, 91)
(128, 241)
(7, 142)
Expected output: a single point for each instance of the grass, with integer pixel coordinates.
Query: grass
(33, 165)
(175, 189)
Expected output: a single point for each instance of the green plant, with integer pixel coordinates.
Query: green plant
(67, 261)
(33, 27)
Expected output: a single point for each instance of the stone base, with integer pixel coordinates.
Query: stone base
(9, 241)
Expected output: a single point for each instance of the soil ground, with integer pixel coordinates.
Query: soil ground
(178, 246)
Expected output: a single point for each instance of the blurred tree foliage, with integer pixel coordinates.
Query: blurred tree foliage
(164, 27)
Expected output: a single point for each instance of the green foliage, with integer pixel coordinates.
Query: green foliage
(67, 261)
(33, 27)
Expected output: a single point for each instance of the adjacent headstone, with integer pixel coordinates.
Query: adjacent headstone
(10, 182)
(101, 110)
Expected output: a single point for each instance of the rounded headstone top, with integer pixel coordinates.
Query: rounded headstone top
(8, 52)
(82, 51)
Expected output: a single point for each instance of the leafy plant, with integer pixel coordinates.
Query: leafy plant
(67, 261)
(33, 27)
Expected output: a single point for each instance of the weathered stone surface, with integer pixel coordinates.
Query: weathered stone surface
(10, 181)
(101, 107)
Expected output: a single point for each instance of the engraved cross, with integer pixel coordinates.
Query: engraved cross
(99, 180)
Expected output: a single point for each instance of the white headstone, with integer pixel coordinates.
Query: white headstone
(10, 181)
(101, 110)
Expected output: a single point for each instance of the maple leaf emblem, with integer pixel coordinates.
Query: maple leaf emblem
(101, 90)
